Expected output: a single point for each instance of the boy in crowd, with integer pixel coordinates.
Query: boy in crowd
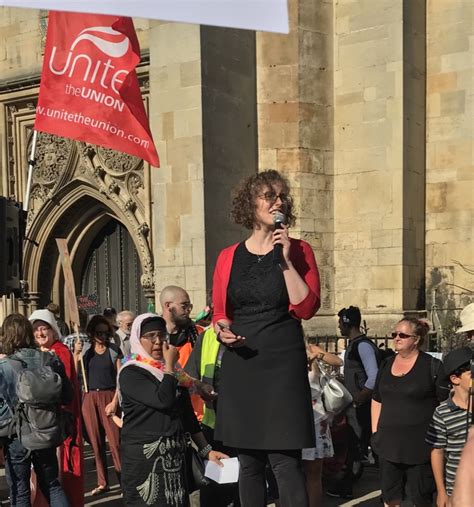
(447, 433)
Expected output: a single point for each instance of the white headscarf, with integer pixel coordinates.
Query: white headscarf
(49, 318)
(137, 348)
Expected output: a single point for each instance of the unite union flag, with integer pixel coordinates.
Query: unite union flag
(89, 89)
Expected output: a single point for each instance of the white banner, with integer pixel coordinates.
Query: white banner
(265, 15)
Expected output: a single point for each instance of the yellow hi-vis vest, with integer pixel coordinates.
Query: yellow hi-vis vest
(209, 351)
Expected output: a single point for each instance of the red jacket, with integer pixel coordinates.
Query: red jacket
(302, 257)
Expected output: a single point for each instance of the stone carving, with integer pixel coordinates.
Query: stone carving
(117, 163)
(52, 154)
(134, 184)
(143, 229)
(62, 167)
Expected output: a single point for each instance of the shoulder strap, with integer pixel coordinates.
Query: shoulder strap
(386, 361)
(355, 349)
(17, 361)
(113, 354)
(435, 365)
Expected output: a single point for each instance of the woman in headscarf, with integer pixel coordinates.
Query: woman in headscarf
(157, 415)
(47, 337)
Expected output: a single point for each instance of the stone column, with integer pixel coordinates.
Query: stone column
(295, 115)
(379, 158)
(450, 160)
(177, 187)
(34, 298)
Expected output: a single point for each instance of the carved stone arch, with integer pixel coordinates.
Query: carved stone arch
(83, 210)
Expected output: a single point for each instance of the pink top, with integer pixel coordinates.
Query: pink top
(302, 257)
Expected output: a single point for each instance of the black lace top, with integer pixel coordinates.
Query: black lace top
(256, 285)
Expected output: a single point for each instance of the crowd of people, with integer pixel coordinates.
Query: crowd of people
(163, 390)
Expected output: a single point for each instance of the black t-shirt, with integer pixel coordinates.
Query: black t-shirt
(152, 408)
(408, 404)
(102, 372)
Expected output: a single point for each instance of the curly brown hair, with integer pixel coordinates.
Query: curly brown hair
(244, 205)
(17, 333)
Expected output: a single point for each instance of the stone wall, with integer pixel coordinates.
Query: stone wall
(450, 160)
(379, 158)
(295, 127)
(177, 187)
(229, 130)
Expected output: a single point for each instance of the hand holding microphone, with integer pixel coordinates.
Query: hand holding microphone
(281, 241)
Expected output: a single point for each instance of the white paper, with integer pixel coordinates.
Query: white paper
(223, 475)
(265, 15)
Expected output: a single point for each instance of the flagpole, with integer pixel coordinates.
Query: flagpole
(31, 165)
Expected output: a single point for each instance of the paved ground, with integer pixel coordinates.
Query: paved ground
(366, 490)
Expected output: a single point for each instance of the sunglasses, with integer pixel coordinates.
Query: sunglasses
(273, 196)
(185, 306)
(403, 335)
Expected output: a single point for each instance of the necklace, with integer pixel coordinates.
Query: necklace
(260, 257)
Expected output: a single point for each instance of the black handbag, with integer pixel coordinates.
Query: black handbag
(195, 477)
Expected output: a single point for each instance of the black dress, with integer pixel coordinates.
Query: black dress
(264, 394)
(408, 404)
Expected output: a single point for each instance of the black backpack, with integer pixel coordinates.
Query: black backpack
(37, 418)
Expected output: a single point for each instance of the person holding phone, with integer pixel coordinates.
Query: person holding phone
(157, 416)
(264, 407)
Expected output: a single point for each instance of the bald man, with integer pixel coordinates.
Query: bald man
(176, 307)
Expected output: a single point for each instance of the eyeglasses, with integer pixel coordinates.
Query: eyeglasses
(186, 305)
(272, 196)
(101, 333)
(403, 335)
(153, 336)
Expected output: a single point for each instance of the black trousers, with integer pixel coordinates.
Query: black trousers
(360, 420)
(288, 471)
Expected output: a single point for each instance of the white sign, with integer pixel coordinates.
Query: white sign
(264, 15)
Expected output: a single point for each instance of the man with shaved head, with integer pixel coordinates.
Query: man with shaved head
(176, 307)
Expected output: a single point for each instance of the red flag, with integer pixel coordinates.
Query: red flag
(89, 88)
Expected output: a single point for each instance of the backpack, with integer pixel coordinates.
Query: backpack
(354, 354)
(6, 418)
(37, 416)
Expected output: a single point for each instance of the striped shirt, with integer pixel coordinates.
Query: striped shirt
(448, 431)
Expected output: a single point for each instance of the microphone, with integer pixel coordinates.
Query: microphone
(278, 219)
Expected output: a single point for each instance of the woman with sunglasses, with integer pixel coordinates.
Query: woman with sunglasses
(408, 388)
(157, 416)
(101, 363)
(264, 407)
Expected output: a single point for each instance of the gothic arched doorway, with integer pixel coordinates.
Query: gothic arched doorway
(111, 270)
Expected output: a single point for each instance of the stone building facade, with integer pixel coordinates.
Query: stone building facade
(366, 106)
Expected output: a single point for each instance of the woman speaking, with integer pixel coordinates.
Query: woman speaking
(261, 292)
